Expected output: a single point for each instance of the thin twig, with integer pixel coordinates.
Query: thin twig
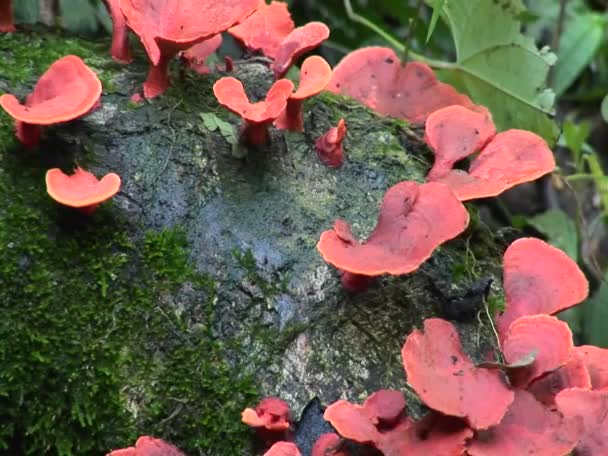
(555, 41)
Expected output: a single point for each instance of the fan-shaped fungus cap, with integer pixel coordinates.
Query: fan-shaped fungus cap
(230, 93)
(528, 428)
(328, 445)
(81, 190)
(67, 90)
(148, 446)
(592, 408)
(283, 449)
(315, 74)
(549, 337)
(329, 146)
(298, 42)
(170, 26)
(538, 279)
(414, 220)
(6, 16)
(265, 29)
(446, 379)
(271, 413)
(595, 360)
(375, 77)
(454, 133)
(511, 158)
(120, 35)
(197, 54)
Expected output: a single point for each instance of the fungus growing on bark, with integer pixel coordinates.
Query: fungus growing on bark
(315, 74)
(297, 43)
(528, 428)
(170, 26)
(265, 29)
(7, 23)
(283, 449)
(328, 444)
(120, 35)
(329, 146)
(81, 190)
(446, 379)
(271, 413)
(414, 220)
(595, 360)
(148, 446)
(67, 90)
(454, 133)
(592, 408)
(200, 52)
(549, 337)
(230, 93)
(538, 279)
(375, 77)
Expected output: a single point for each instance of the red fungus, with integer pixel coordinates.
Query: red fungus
(385, 407)
(375, 77)
(454, 133)
(230, 93)
(538, 279)
(511, 158)
(67, 90)
(265, 29)
(298, 42)
(414, 220)
(329, 146)
(315, 74)
(170, 26)
(283, 449)
(197, 54)
(328, 445)
(81, 190)
(447, 380)
(271, 414)
(7, 23)
(549, 337)
(592, 408)
(120, 35)
(352, 422)
(148, 446)
(595, 360)
(528, 428)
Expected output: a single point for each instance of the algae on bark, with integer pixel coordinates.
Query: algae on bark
(199, 288)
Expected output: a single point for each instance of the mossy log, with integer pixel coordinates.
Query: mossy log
(199, 288)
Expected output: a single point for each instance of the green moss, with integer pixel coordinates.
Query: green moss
(93, 350)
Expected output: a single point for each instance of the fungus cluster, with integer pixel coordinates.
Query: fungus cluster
(148, 446)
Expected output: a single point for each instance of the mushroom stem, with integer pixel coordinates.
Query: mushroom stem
(120, 37)
(158, 78)
(355, 283)
(255, 133)
(6, 16)
(28, 134)
(292, 119)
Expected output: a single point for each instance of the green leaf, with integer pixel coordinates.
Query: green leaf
(559, 229)
(575, 135)
(579, 43)
(78, 16)
(604, 109)
(499, 67)
(210, 120)
(226, 129)
(437, 7)
(595, 321)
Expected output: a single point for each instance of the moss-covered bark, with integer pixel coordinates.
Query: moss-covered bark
(199, 287)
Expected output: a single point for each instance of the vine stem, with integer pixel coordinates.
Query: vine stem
(400, 47)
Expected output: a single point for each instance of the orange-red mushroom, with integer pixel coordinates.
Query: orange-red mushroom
(315, 74)
(283, 449)
(81, 190)
(454, 133)
(67, 90)
(271, 414)
(230, 93)
(329, 146)
(446, 379)
(595, 360)
(120, 35)
(375, 77)
(7, 23)
(328, 445)
(297, 43)
(200, 52)
(538, 279)
(265, 29)
(148, 446)
(170, 26)
(414, 220)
